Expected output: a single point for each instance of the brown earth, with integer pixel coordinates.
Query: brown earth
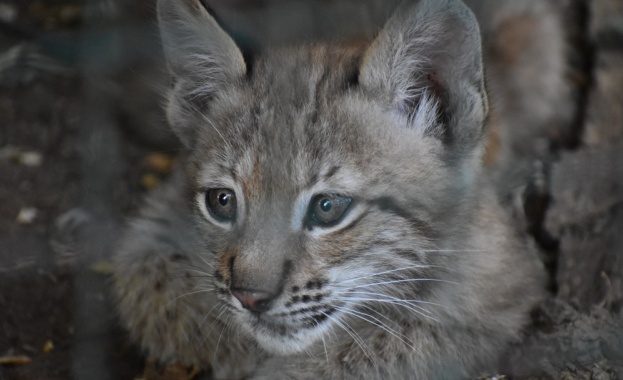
(82, 139)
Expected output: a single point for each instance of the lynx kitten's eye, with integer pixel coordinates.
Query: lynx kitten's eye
(222, 204)
(327, 209)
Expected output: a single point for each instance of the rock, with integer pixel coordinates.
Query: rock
(590, 263)
(606, 26)
(586, 215)
(605, 105)
(21, 156)
(570, 345)
(8, 12)
(27, 215)
(585, 185)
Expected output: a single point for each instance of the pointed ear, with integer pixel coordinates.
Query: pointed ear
(201, 57)
(426, 63)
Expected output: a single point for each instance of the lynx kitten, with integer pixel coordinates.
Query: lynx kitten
(331, 220)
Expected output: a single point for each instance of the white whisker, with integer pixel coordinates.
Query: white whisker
(324, 345)
(205, 336)
(406, 305)
(364, 348)
(375, 321)
(199, 271)
(198, 330)
(393, 297)
(218, 342)
(205, 261)
(386, 272)
(189, 294)
(455, 250)
(406, 280)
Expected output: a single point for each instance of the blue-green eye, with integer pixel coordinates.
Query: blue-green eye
(328, 209)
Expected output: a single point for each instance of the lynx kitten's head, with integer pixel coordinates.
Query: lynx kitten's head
(326, 179)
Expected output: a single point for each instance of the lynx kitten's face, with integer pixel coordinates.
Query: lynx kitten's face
(310, 210)
(321, 175)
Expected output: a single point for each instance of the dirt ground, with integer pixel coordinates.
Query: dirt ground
(82, 140)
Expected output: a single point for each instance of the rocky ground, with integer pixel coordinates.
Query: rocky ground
(82, 140)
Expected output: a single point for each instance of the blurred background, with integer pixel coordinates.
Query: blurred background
(83, 137)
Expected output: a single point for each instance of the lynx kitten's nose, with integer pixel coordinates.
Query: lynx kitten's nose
(256, 301)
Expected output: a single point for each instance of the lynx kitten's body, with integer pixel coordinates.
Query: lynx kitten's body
(331, 220)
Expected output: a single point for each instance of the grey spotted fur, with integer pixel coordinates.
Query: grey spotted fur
(422, 279)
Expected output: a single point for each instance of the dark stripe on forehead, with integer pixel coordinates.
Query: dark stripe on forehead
(391, 205)
(313, 180)
(318, 95)
(334, 169)
(315, 176)
(234, 175)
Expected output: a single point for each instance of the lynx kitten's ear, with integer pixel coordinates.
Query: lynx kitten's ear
(201, 57)
(427, 63)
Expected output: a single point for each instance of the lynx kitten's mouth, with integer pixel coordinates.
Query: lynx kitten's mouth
(291, 325)
(294, 332)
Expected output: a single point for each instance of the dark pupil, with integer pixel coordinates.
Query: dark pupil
(222, 204)
(223, 199)
(325, 205)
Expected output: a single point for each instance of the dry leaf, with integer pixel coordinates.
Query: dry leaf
(14, 360)
(159, 162)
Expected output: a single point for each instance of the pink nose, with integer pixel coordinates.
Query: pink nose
(256, 301)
